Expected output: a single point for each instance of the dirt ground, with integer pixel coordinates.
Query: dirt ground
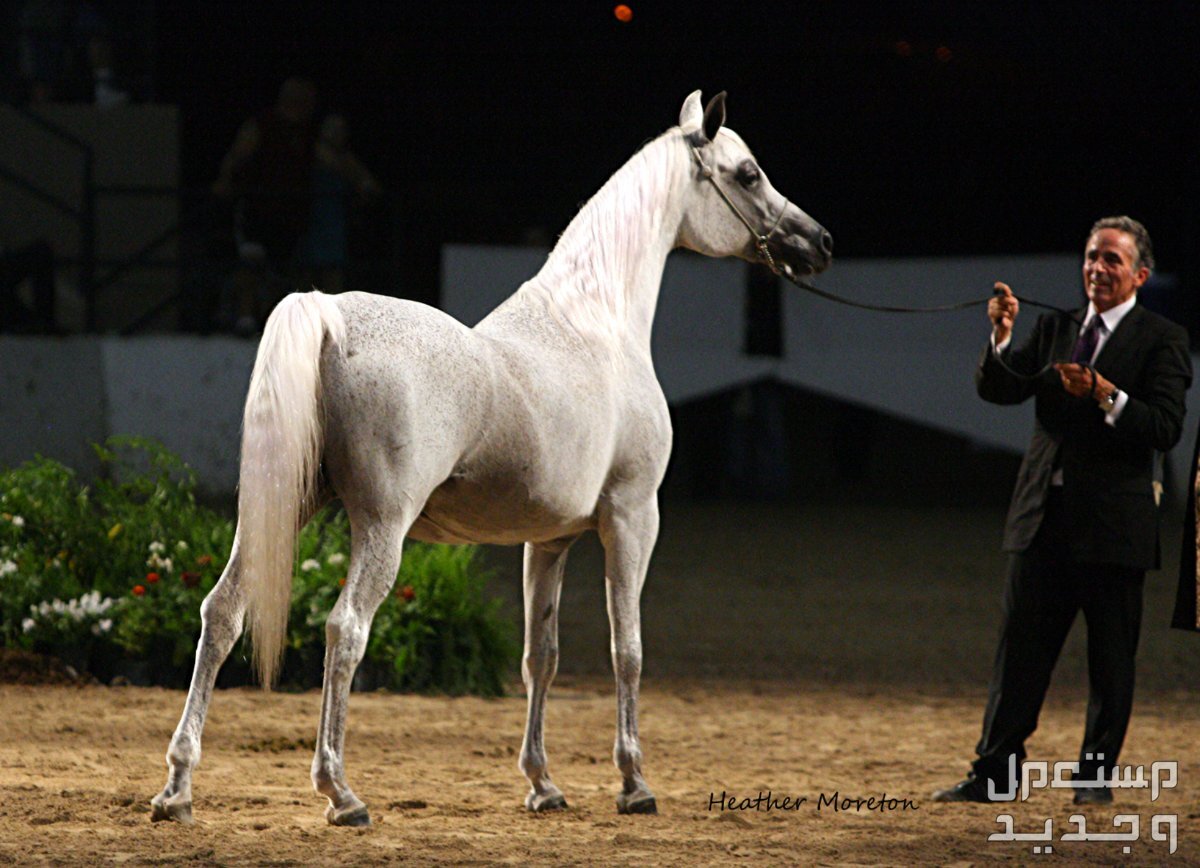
(807, 651)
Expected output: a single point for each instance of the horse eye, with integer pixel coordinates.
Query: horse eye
(747, 174)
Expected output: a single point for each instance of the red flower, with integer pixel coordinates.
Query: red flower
(406, 593)
(190, 580)
(342, 582)
(139, 590)
(203, 560)
(151, 578)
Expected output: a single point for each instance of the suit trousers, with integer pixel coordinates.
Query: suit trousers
(1045, 589)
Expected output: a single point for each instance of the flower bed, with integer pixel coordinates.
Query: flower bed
(110, 577)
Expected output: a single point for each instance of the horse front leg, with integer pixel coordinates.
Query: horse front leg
(221, 615)
(374, 562)
(628, 536)
(544, 565)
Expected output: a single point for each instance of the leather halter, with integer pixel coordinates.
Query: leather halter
(760, 238)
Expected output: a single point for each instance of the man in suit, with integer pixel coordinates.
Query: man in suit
(1083, 525)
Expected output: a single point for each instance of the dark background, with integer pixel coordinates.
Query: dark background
(930, 128)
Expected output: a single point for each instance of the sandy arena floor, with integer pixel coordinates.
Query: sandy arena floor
(783, 652)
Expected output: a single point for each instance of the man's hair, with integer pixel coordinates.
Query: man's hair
(1140, 236)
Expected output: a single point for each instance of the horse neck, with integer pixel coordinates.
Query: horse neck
(603, 276)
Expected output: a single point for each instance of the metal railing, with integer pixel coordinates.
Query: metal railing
(84, 213)
(196, 215)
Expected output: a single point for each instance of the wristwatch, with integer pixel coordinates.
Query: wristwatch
(1109, 401)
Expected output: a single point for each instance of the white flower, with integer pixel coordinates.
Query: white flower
(18, 521)
(157, 548)
(58, 606)
(27, 625)
(181, 546)
(91, 604)
(102, 627)
(335, 559)
(7, 567)
(310, 565)
(157, 562)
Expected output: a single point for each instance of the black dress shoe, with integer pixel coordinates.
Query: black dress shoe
(1093, 796)
(973, 789)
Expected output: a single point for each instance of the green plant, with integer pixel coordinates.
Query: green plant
(43, 522)
(438, 630)
(133, 556)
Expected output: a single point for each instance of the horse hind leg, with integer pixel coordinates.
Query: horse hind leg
(221, 615)
(628, 540)
(374, 561)
(543, 582)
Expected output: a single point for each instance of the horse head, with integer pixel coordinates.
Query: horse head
(735, 211)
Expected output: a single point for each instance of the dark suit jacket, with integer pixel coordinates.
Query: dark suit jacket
(1107, 471)
(1187, 595)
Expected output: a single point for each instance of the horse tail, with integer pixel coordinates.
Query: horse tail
(282, 441)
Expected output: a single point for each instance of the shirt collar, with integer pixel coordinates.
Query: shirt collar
(1111, 317)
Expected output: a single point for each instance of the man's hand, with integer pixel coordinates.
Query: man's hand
(1002, 310)
(1078, 381)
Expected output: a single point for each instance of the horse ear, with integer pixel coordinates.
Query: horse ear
(714, 116)
(691, 116)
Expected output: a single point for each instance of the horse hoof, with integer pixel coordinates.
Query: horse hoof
(546, 802)
(357, 815)
(168, 809)
(636, 803)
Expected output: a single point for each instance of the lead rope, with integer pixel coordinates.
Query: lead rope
(764, 253)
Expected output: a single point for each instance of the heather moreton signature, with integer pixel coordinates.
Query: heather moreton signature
(835, 801)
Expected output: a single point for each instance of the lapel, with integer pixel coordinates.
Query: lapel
(1121, 340)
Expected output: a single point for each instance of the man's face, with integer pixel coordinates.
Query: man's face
(1111, 272)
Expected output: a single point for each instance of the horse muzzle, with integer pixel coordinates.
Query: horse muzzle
(803, 251)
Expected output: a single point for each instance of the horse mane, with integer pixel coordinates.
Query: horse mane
(586, 282)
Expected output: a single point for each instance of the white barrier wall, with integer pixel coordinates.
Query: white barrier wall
(51, 400)
(915, 366)
(187, 392)
(59, 395)
(918, 367)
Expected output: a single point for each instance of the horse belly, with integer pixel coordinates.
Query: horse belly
(501, 512)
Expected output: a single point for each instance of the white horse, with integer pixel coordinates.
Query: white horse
(543, 422)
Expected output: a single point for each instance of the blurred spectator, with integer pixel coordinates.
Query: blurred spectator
(104, 88)
(27, 288)
(339, 180)
(268, 174)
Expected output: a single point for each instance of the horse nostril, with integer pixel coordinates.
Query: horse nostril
(827, 243)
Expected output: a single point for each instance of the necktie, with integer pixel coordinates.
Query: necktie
(1085, 347)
